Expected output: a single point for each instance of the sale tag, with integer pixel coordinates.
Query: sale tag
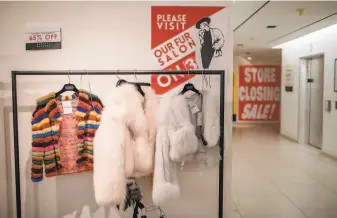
(194, 109)
(67, 107)
(36, 37)
(43, 40)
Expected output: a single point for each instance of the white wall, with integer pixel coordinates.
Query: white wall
(256, 60)
(96, 36)
(320, 42)
(3, 166)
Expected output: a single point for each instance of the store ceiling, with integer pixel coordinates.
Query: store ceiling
(250, 19)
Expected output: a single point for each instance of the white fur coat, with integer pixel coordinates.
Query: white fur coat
(176, 140)
(124, 142)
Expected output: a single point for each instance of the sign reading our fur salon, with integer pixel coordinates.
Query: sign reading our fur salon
(186, 38)
(259, 93)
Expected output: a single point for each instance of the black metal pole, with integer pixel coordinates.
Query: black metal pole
(147, 72)
(120, 72)
(16, 147)
(222, 137)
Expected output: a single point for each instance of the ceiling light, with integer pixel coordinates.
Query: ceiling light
(247, 53)
(300, 11)
(249, 58)
(271, 26)
(240, 45)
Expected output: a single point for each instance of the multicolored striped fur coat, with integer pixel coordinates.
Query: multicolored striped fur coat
(46, 121)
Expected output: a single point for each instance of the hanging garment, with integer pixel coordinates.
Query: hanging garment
(165, 181)
(210, 118)
(181, 129)
(124, 142)
(62, 132)
(179, 137)
(207, 121)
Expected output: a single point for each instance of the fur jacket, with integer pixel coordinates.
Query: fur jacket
(177, 141)
(125, 142)
(47, 121)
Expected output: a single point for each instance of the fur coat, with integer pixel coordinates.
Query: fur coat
(124, 142)
(176, 140)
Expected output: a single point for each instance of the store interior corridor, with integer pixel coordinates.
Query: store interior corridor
(169, 109)
(277, 178)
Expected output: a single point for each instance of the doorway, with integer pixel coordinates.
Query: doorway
(314, 67)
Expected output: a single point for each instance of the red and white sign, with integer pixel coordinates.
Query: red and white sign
(177, 36)
(259, 93)
(40, 37)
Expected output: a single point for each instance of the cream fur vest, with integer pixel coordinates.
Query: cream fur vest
(124, 142)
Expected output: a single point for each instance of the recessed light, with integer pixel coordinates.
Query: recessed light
(300, 11)
(249, 58)
(240, 45)
(271, 26)
(247, 53)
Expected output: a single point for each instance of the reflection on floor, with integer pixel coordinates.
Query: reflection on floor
(277, 178)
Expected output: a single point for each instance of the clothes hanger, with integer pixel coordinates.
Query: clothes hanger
(89, 86)
(138, 85)
(202, 80)
(120, 81)
(189, 87)
(67, 87)
(209, 80)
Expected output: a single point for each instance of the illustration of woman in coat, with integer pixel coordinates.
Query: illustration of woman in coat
(211, 40)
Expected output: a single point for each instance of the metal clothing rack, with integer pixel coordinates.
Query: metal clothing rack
(15, 74)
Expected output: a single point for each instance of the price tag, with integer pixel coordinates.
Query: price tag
(67, 107)
(194, 108)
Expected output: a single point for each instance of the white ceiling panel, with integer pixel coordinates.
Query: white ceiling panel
(242, 10)
(254, 34)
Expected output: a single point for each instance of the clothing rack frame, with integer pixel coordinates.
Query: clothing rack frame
(15, 74)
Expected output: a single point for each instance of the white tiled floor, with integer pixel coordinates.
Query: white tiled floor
(276, 178)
